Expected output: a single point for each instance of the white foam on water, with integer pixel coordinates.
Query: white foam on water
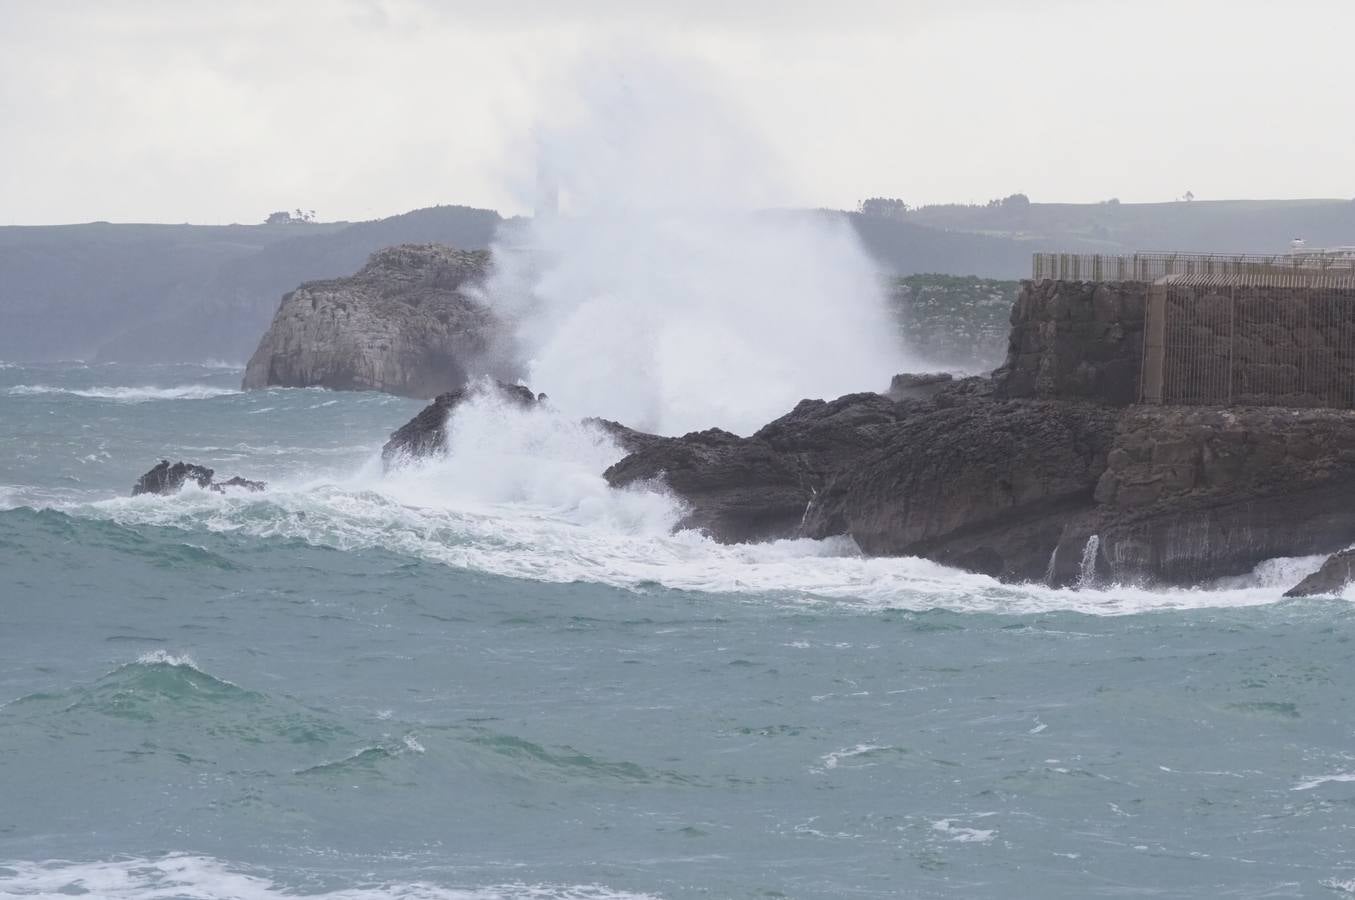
(165, 658)
(831, 760)
(125, 394)
(964, 835)
(188, 877)
(521, 494)
(1311, 783)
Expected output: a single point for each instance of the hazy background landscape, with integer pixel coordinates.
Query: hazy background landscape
(168, 293)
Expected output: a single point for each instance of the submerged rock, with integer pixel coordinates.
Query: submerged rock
(426, 434)
(167, 479)
(1337, 572)
(406, 324)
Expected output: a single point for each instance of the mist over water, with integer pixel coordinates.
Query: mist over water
(665, 295)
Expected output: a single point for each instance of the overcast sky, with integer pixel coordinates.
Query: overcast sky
(212, 112)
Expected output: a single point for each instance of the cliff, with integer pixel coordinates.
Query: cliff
(404, 324)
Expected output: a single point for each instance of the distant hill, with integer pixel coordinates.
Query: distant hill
(164, 293)
(1219, 226)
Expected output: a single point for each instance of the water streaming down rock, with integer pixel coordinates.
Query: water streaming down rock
(1087, 573)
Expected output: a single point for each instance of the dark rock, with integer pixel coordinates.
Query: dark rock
(168, 479)
(1196, 493)
(736, 489)
(918, 387)
(426, 434)
(984, 485)
(407, 323)
(243, 484)
(1075, 340)
(1335, 574)
(627, 439)
(760, 487)
(1017, 488)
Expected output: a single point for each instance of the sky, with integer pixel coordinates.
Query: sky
(216, 112)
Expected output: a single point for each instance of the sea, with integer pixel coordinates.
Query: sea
(491, 677)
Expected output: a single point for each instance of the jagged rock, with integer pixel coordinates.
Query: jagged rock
(166, 479)
(627, 439)
(760, 487)
(1016, 488)
(918, 387)
(405, 324)
(244, 484)
(1335, 574)
(426, 434)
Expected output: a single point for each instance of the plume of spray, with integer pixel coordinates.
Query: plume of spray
(666, 294)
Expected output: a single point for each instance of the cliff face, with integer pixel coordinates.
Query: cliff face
(404, 324)
(1075, 340)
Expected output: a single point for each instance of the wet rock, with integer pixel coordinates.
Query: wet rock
(918, 387)
(1331, 579)
(426, 434)
(168, 479)
(1018, 488)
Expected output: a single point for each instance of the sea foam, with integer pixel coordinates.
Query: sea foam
(127, 394)
(180, 875)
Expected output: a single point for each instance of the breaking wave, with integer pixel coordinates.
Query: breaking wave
(521, 495)
(181, 875)
(127, 394)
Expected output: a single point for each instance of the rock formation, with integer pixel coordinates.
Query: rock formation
(166, 479)
(1337, 572)
(426, 434)
(404, 324)
(1022, 475)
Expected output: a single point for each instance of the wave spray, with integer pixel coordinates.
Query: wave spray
(666, 294)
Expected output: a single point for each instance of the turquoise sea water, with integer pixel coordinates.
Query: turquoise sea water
(494, 678)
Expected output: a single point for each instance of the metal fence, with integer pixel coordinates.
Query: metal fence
(1303, 266)
(1261, 341)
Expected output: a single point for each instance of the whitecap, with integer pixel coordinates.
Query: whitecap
(208, 878)
(1323, 779)
(964, 835)
(123, 394)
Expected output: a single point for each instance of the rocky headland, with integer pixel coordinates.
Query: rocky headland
(405, 324)
(1046, 471)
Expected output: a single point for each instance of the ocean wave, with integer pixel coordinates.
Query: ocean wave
(521, 495)
(181, 875)
(127, 394)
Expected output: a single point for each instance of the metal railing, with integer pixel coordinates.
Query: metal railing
(1250, 344)
(1300, 266)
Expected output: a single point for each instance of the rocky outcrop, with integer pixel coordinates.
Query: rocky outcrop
(918, 387)
(426, 434)
(169, 479)
(405, 324)
(1337, 572)
(1075, 340)
(1017, 488)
